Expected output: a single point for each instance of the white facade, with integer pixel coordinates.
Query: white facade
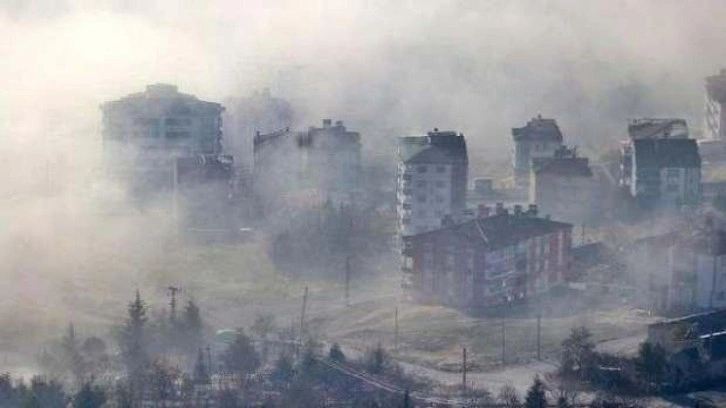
(526, 150)
(564, 198)
(424, 196)
(715, 115)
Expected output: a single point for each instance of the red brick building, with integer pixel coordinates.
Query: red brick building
(487, 261)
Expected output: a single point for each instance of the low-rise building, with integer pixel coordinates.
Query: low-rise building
(682, 270)
(491, 260)
(695, 347)
(431, 180)
(563, 187)
(539, 138)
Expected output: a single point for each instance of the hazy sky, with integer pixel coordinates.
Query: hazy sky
(481, 67)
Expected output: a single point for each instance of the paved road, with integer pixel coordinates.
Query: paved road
(519, 376)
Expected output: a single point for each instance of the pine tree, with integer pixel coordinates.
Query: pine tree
(72, 355)
(192, 327)
(536, 397)
(133, 345)
(263, 326)
(651, 363)
(283, 371)
(89, 397)
(241, 357)
(407, 400)
(336, 354)
(201, 372)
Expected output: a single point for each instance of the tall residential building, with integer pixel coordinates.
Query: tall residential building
(715, 115)
(563, 187)
(647, 128)
(321, 162)
(431, 180)
(492, 260)
(660, 166)
(161, 123)
(666, 173)
(161, 140)
(539, 138)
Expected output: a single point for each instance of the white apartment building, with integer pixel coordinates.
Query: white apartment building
(563, 187)
(431, 180)
(539, 138)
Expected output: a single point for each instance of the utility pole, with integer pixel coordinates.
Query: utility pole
(395, 330)
(504, 343)
(302, 314)
(347, 281)
(172, 290)
(209, 360)
(539, 333)
(463, 369)
(582, 234)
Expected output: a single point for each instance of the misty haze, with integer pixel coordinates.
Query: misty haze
(362, 203)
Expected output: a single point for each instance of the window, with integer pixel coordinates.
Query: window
(406, 206)
(440, 169)
(450, 260)
(405, 221)
(177, 122)
(440, 184)
(177, 135)
(428, 261)
(421, 169)
(420, 184)
(421, 199)
(439, 199)
(406, 191)
(407, 177)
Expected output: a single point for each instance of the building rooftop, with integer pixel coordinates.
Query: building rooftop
(262, 138)
(500, 230)
(662, 153)
(306, 138)
(564, 163)
(654, 128)
(162, 95)
(437, 147)
(538, 129)
(713, 320)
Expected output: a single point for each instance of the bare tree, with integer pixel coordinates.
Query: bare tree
(509, 397)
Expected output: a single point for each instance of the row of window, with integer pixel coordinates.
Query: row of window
(424, 169)
(422, 198)
(437, 183)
